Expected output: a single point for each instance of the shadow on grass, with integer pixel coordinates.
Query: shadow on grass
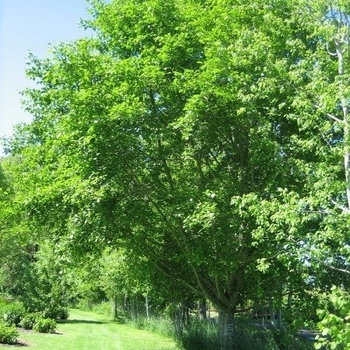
(81, 321)
(18, 344)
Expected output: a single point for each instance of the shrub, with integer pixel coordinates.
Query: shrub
(12, 313)
(56, 313)
(29, 320)
(62, 314)
(8, 334)
(45, 325)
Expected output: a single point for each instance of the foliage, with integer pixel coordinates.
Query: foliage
(334, 324)
(12, 313)
(286, 340)
(102, 308)
(17, 239)
(3, 302)
(195, 147)
(39, 322)
(29, 320)
(39, 280)
(8, 334)
(53, 280)
(45, 325)
(55, 312)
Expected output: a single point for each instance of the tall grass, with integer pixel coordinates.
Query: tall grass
(158, 325)
(201, 334)
(205, 335)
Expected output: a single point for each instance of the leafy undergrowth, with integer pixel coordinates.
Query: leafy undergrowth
(86, 330)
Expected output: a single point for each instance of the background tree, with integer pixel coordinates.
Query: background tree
(16, 246)
(323, 105)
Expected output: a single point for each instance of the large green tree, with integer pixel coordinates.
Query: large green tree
(172, 133)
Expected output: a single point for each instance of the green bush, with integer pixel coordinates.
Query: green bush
(56, 313)
(45, 325)
(29, 320)
(12, 313)
(62, 314)
(8, 334)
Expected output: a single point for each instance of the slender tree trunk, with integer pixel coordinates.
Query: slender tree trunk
(278, 311)
(126, 305)
(115, 306)
(147, 307)
(227, 329)
(340, 50)
(177, 321)
(347, 152)
(202, 306)
(279, 321)
(272, 312)
(136, 307)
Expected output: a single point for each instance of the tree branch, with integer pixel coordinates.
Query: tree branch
(331, 116)
(339, 206)
(329, 52)
(337, 269)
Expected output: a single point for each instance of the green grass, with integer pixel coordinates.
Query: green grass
(87, 330)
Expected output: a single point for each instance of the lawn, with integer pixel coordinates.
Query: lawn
(86, 330)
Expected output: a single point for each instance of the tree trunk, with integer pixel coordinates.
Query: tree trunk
(342, 46)
(347, 153)
(178, 321)
(272, 312)
(115, 306)
(227, 329)
(202, 308)
(279, 318)
(126, 305)
(136, 308)
(147, 307)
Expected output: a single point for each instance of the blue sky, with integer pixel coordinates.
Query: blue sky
(30, 26)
